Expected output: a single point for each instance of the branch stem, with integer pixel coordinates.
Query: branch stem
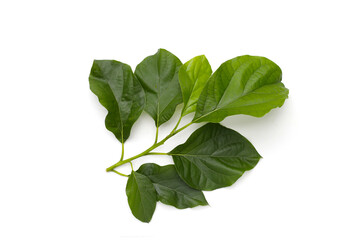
(147, 151)
(121, 174)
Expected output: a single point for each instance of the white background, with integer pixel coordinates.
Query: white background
(54, 147)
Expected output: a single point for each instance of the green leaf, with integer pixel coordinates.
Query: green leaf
(243, 85)
(213, 157)
(120, 93)
(170, 188)
(193, 76)
(158, 75)
(141, 196)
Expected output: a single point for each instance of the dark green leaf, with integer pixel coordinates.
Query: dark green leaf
(158, 75)
(170, 188)
(213, 157)
(193, 76)
(243, 85)
(120, 93)
(141, 196)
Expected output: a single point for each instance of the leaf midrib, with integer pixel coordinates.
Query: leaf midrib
(192, 88)
(202, 155)
(139, 192)
(217, 109)
(158, 93)
(172, 189)
(210, 177)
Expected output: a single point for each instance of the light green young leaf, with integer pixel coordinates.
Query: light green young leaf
(158, 75)
(193, 76)
(170, 188)
(214, 157)
(141, 196)
(243, 85)
(120, 93)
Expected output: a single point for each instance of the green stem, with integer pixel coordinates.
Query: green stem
(157, 153)
(122, 151)
(177, 124)
(157, 134)
(179, 130)
(147, 151)
(121, 174)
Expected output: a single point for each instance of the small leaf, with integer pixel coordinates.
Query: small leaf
(120, 93)
(170, 188)
(243, 85)
(158, 75)
(141, 196)
(193, 76)
(214, 157)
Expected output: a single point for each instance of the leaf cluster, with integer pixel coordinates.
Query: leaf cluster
(213, 156)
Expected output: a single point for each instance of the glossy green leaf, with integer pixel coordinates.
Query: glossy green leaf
(120, 93)
(213, 157)
(243, 85)
(170, 188)
(158, 75)
(141, 196)
(193, 76)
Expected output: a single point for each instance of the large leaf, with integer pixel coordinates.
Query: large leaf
(120, 93)
(193, 76)
(243, 85)
(141, 196)
(170, 188)
(158, 75)
(213, 157)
